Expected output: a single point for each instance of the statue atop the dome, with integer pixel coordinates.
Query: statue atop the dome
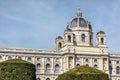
(79, 14)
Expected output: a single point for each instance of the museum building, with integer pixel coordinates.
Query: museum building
(75, 48)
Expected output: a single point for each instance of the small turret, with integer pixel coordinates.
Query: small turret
(101, 39)
(79, 14)
(59, 42)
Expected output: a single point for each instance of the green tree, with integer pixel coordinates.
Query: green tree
(83, 73)
(16, 69)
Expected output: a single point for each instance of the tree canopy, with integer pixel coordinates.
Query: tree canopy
(83, 73)
(16, 69)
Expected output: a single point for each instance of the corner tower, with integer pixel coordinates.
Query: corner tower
(101, 39)
(59, 42)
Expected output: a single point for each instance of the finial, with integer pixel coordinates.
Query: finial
(79, 14)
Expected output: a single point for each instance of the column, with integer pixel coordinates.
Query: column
(82, 61)
(113, 66)
(62, 63)
(67, 62)
(43, 68)
(52, 68)
(73, 61)
(101, 64)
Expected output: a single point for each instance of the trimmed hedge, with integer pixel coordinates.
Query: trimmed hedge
(17, 69)
(83, 73)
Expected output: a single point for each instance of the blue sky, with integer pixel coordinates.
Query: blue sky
(36, 23)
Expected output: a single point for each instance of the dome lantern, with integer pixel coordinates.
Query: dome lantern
(79, 14)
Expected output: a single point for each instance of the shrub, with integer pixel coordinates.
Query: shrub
(17, 69)
(83, 73)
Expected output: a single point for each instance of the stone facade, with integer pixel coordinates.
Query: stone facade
(74, 49)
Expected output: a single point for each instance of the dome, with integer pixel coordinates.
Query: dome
(59, 37)
(100, 32)
(78, 21)
(68, 28)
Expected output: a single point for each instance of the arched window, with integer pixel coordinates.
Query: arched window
(38, 79)
(83, 37)
(77, 64)
(48, 79)
(117, 70)
(69, 38)
(102, 40)
(95, 60)
(110, 69)
(39, 59)
(109, 62)
(38, 67)
(29, 58)
(86, 60)
(57, 59)
(95, 66)
(9, 57)
(59, 45)
(48, 67)
(117, 62)
(19, 57)
(57, 68)
(87, 64)
(48, 59)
